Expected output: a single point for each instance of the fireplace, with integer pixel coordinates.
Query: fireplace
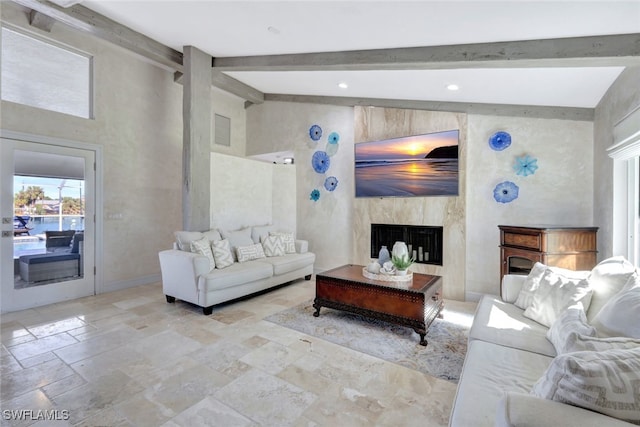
(425, 242)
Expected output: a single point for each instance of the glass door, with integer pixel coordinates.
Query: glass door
(47, 249)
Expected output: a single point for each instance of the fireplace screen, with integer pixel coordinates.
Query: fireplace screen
(423, 242)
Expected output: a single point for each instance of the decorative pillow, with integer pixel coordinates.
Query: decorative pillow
(620, 316)
(184, 239)
(605, 382)
(273, 246)
(250, 252)
(288, 240)
(202, 247)
(222, 253)
(237, 238)
(607, 279)
(554, 295)
(525, 297)
(260, 232)
(568, 327)
(212, 235)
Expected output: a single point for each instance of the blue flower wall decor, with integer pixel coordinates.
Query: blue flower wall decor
(320, 161)
(315, 195)
(331, 149)
(315, 132)
(505, 192)
(333, 138)
(499, 141)
(331, 183)
(526, 165)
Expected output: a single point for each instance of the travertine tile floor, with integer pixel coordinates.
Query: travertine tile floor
(128, 358)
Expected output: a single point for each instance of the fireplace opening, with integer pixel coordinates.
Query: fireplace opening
(424, 242)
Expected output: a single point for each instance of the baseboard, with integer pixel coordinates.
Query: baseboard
(130, 283)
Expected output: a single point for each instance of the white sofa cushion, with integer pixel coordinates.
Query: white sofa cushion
(502, 323)
(555, 294)
(235, 274)
(605, 382)
(203, 247)
(519, 409)
(237, 238)
(184, 239)
(620, 316)
(532, 281)
(607, 279)
(489, 371)
(222, 253)
(289, 262)
(260, 232)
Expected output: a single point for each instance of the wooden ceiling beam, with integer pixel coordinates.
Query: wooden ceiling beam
(611, 50)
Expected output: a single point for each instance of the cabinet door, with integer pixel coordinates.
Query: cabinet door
(518, 261)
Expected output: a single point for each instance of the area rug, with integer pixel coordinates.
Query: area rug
(441, 358)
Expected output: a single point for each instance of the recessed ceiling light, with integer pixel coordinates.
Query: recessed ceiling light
(343, 85)
(453, 87)
(273, 30)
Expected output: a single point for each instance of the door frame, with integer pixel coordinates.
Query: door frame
(99, 203)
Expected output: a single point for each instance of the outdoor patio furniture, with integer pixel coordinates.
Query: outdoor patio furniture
(20, 225)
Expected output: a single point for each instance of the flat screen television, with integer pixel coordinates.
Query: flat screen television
(408, 166)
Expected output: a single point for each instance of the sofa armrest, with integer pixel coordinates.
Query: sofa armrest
(511, 285)
(180, 271)
(302, 246)
(518, 409)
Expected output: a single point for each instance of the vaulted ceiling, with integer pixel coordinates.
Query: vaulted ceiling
(500, 54)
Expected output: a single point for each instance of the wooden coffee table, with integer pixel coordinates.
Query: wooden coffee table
(413, 303)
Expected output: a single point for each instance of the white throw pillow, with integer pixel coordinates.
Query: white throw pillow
(620, 316)
(237, 238)
(222, 253)
(273, 246)
(203, 247)
(250, 252)
(605, 382)
(554, 295)
(568, 327)
(184, 239)
(288, 239)
(525, 297)
(607, 279)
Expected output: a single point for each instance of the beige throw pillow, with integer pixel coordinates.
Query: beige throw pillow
(554, 295)
(288, 239)
(605, 382)
(202, 247)
(525, 297)
(273, 246)
(222, 253)
(250, 252)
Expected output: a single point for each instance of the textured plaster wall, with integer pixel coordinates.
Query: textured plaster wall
(326, 224)
(559, 193)
(138, 122)
(621, 99)
(372, 124)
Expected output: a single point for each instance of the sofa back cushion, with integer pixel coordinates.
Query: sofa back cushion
(620, 316)
(607, 279)
(184, 238)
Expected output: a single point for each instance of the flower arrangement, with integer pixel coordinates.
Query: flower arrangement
(402, 262)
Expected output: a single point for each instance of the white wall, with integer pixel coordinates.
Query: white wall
(559, 193)
(246, 192)
(138, 122)
(280, 126)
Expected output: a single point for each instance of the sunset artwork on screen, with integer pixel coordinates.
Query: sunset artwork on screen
(409, 166)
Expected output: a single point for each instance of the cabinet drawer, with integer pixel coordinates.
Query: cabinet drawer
(522, 240)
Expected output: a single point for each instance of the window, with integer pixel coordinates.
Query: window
(43, 75)
(626, 187)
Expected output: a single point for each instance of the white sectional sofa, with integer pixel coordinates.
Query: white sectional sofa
(511, 359)
(191, 276)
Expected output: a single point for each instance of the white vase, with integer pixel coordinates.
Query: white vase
(383, 256)
(400, 250)
(401, 272)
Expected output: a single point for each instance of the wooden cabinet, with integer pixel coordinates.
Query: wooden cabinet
(573, 248)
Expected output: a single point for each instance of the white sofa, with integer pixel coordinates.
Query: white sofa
(509, 353)
(187, 276)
